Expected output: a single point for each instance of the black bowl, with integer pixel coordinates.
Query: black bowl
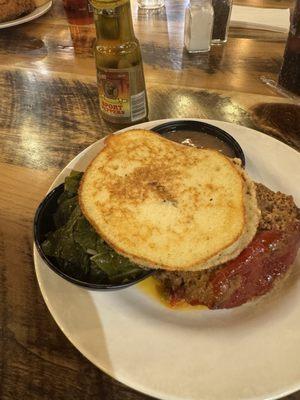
(43, 223)
(202, 127)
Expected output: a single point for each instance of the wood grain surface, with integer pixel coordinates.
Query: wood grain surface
(49, 112)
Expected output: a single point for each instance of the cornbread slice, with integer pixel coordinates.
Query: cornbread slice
(166, 205)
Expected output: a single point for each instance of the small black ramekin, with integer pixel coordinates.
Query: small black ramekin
(202, 127)
(43, 223)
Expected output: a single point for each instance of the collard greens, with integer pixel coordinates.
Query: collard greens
(78, 249)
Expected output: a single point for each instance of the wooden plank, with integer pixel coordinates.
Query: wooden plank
(46, 46)
(45, 121)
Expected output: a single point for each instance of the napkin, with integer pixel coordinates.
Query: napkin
(270, 19)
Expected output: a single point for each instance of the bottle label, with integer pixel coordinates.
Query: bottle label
(118, 93)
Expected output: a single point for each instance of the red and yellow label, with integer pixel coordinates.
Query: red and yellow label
(114, 92)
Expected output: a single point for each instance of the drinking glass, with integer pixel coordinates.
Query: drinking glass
(151, 4)
(81, 24)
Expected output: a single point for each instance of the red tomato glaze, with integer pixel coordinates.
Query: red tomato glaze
(255, 270)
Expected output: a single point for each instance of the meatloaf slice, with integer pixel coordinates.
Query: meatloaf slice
(279, 214)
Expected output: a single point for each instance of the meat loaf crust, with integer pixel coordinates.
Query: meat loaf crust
(278, 210)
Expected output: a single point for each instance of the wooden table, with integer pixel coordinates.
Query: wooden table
(49, 113)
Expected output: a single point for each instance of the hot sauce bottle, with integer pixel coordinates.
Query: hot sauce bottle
(120, 75)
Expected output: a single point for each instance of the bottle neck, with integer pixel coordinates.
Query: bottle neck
(113, 23)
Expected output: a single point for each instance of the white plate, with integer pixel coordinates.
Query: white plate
(251, 352)
(39, 11)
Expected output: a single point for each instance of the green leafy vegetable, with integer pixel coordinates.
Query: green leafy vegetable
(78, 249)
(72, 182)
(116, 267)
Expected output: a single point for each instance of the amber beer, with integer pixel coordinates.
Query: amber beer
(120, 75)
(289, 77)
(81, 24)
(79, 12)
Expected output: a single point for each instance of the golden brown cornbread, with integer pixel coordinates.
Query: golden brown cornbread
(166, 205)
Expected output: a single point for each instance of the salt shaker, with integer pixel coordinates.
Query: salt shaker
(199, 17)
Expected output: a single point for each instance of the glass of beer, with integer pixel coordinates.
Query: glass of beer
(81, 24)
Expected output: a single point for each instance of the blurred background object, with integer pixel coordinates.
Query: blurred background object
(151, 4)
(289, 77)
(81, 25)
(12, 9)
(267, 19)
(281, 120)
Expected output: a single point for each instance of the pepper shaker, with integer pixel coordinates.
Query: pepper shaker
(199, 16)
(222, 13)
